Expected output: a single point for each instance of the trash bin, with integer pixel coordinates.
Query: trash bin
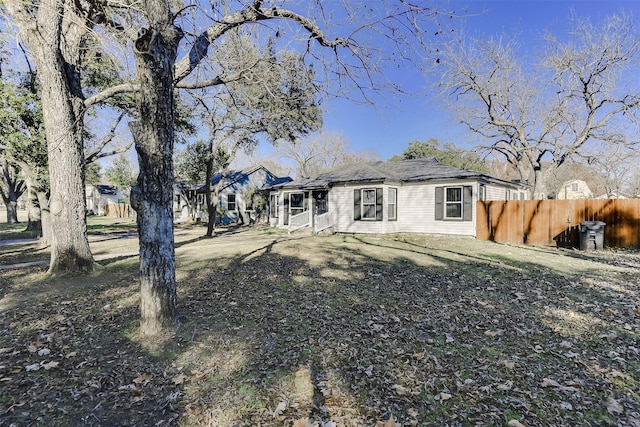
(591, 235)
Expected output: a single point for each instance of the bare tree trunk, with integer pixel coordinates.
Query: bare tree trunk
(12, 212)
(152, 197)
(211, 206)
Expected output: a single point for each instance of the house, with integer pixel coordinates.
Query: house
(574, 189)
(98, 196)
(234, 201)
(410, 196)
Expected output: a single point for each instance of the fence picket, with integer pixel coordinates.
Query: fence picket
(556, 222)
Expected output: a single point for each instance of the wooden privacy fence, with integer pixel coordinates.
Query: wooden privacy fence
(119, 211)
(557, 222)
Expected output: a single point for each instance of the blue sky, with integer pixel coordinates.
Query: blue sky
(388, 127)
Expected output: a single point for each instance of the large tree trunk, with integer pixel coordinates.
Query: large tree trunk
(12, 211)
(55, 38)
(152, 197)
(69, 244)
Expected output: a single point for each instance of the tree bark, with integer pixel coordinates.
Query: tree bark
(12, 212)
(55, 38)
(155, 52)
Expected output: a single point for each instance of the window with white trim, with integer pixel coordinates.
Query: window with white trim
(231, 202)
(453, 203)
(392, 204)
(367, 204)
(273, 206)
(296, 203)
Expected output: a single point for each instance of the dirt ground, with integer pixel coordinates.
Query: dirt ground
(341, 330)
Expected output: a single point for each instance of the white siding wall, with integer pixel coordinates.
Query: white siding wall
(416, 212)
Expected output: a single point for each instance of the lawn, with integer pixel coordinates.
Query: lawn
(342, 330)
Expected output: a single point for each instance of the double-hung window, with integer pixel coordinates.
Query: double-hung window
(296, 203)
(453, 203)
(273, 206)
(369, 203)
(392, 204)
(231, 202)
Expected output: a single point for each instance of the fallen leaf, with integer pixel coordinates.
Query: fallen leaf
(614, 407)
(34, 367)
(548, 382)
(506, 386)
(369, 370)
(400, 390)
(444, 396)
(302, 422)
(178, 379)
(391, 422)
(142, 378)
(5, 350)
(449, 339)
(72, 354)
(496, 333)
(280, 408)
(508, 364)
(193, 410)
(50, 365)
(515, 423)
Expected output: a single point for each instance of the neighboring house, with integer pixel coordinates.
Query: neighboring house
(98, 196)
(410, 196)
(574, 189)
(233, 205)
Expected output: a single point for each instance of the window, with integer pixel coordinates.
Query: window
(392, 204)
(296, 203)
(574, 186)
(273, 206)
(367, 204)
(231, 202)
(321, 202)
(482, 193)
(454, 203)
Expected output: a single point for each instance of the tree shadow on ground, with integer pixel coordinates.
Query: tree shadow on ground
(347, 329)
(355, 331)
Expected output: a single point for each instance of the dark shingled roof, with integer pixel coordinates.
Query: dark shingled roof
(394, 171)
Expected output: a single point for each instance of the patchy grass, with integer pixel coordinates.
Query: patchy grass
(343, 329)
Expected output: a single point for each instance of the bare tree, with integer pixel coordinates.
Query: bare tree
(539, 116)
(614, 167)
(320, 153)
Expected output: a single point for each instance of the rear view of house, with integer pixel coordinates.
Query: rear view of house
(411, 196)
